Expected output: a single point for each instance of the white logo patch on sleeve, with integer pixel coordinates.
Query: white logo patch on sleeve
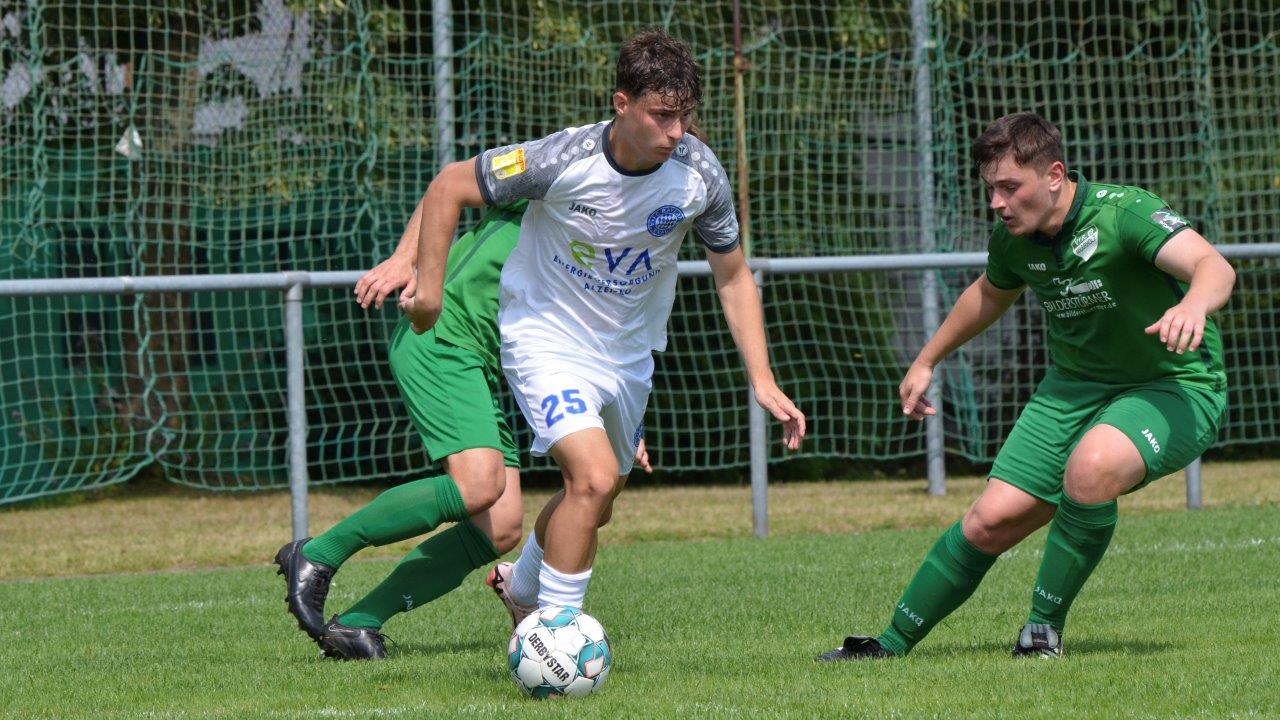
(1168, 219)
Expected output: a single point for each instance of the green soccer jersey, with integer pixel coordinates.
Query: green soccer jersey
(470, 315)
(1100, 288)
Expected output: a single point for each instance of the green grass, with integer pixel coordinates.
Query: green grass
(1180, 620)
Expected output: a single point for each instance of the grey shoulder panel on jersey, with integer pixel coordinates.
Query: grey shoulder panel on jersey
(524, 171)
(717, 226)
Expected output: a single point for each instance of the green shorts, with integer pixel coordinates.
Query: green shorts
(1169, 423)
(451, 394)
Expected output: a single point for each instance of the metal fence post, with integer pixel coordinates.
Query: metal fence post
(442, 52)
(759, 447)
(297, 405)
(921, 42)
(1194, 497)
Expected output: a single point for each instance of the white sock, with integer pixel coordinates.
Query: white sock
(523, 584)
(562, 589)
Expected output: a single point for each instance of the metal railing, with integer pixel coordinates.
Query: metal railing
(292, 285)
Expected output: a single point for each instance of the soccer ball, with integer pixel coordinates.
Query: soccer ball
(559, 651)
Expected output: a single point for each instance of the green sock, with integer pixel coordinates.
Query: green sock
(414, 508)
(430, 570)
(950, 573)
(1078, 536)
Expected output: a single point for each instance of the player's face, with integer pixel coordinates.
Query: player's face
(1022, 195)
(650, 126)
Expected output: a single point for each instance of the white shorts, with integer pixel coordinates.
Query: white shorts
(560, 393)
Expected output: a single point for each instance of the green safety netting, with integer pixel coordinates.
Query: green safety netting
(177, 137)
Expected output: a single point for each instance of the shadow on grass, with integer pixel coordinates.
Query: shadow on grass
(1073, 649)
(419, 649)
(1127, 647)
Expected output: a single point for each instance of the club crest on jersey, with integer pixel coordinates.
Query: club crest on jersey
(663, 220)
(1085, 242)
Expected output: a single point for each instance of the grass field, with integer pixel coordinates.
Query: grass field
(1180, 620)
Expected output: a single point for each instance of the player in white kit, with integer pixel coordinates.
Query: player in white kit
(587, 292)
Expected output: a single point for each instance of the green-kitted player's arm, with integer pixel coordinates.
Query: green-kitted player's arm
(395, 272)
(454, 188)
(1190, 258)
(1157, 234)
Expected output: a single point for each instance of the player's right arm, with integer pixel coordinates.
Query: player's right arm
(454, 188)
(981, 304)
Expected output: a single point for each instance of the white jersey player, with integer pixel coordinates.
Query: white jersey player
(587, 292)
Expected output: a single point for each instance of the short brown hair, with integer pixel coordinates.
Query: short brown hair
(653, 61)
(1030, 138)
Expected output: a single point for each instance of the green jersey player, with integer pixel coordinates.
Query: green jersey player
(448, 378)
(1136, 389)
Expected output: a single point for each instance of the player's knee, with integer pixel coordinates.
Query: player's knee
(986, 530)
(480, 485)
(1090, 477)
(594, 487)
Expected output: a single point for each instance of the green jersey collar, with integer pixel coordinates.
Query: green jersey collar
(1068, 223)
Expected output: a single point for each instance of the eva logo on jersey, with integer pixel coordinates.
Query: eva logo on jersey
(622, 259)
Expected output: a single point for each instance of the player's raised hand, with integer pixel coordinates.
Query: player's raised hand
(642, 457)
(772, 398)
(385, 278)
(1181, 328)
(914, 404)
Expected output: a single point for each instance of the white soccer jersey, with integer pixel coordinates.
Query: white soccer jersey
(594, 271)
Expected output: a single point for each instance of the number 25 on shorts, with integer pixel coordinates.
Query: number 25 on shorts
(573, 405)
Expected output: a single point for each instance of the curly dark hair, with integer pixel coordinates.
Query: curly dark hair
(653, 61)
(1033, 141)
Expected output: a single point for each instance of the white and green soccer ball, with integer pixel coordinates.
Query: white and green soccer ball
(559, 651)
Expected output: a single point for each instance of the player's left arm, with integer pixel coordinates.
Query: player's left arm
(740, 299)
(1190, 258)
(396, 272)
